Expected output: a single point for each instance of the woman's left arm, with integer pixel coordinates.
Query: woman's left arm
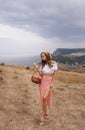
(53, 79)
(54, 74)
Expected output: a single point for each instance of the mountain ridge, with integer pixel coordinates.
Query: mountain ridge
(69, 56)
(65, 51)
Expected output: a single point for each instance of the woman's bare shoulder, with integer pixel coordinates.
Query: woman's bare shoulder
(53, 62)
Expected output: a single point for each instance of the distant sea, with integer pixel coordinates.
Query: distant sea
(22, 61)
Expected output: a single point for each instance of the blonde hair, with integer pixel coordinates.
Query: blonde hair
(48, 59)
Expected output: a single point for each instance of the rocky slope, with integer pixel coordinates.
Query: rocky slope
(69, 56)
(68, 51)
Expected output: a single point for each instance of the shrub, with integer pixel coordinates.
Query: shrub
(28, 67)
(15, 77)
(1, 78)
(0, 71)
(2, 63)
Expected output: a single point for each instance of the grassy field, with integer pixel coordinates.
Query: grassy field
(19, 101)
(71, 77)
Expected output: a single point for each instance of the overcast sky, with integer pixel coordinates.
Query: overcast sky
(28, 27)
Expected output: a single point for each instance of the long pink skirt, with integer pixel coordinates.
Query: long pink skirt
(45, 84)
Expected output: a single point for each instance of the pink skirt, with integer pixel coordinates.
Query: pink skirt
(45, 84)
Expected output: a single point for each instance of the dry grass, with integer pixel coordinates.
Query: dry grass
(19, 101)
(71, 77)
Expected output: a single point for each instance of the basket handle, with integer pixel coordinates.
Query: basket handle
(34, 73)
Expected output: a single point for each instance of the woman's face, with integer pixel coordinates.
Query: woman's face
(43, 57)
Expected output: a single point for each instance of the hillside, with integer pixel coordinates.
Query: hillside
(67, 51)
(19, 101)
(69, 56)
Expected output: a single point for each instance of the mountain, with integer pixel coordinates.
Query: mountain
(67, 51)
(63, 55)
(69, 56)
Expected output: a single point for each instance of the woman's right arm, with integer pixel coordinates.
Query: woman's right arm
(37, 68)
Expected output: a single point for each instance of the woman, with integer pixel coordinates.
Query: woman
(48, 70)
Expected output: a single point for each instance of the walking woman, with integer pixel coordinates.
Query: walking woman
(48, 71)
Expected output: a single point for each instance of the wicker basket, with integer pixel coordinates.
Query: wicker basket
(35, 79)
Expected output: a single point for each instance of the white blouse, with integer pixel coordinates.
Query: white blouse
(47, 70)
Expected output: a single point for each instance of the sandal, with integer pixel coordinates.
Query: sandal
(41, 123)
(46, 116)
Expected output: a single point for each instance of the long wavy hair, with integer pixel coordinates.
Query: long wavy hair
(48, 59)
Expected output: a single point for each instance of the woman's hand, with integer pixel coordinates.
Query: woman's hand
(37, 68)
(35, 65)
(51, 86)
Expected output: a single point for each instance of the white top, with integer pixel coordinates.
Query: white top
(47, 70)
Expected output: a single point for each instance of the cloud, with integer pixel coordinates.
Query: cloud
(18, 41)
(58, 23)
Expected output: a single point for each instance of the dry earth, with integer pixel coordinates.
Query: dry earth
(19, 101)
